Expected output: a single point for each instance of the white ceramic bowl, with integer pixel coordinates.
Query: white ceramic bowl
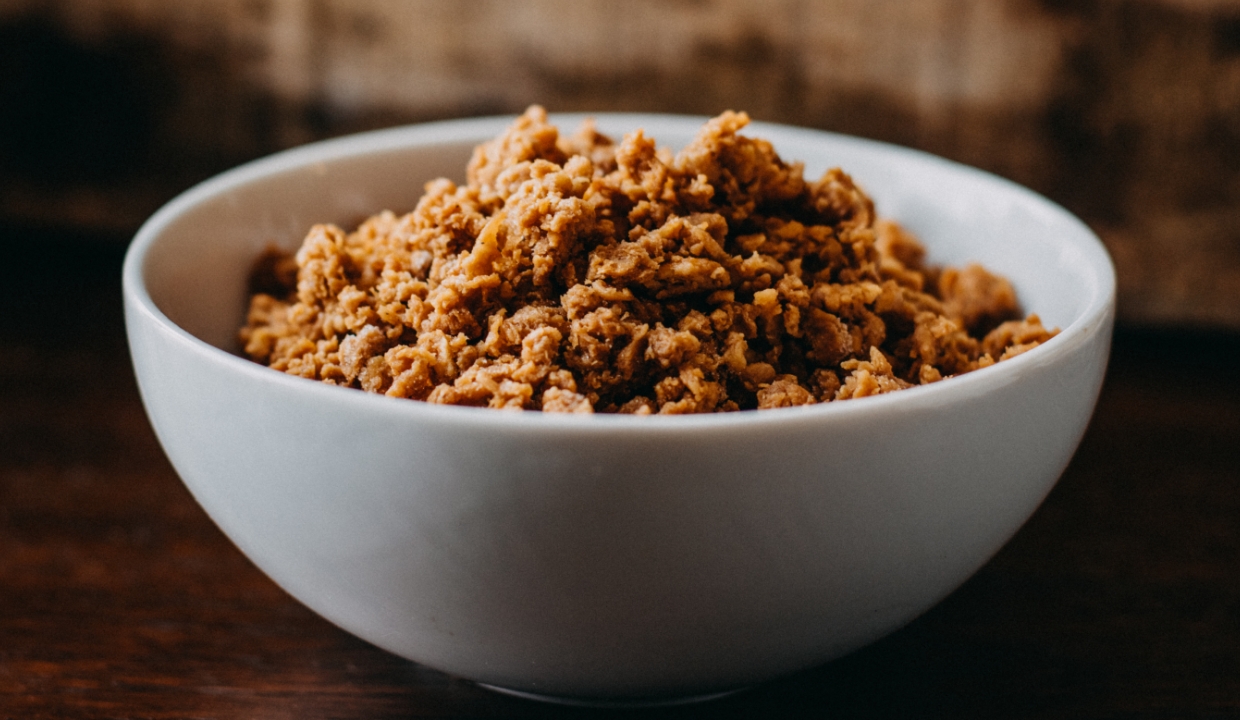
(610, 557)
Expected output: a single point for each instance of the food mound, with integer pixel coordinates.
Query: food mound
(574, 274)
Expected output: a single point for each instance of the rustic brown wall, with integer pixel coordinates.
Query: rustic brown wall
(1126, 111)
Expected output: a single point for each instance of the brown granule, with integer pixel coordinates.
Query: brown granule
(572, 274)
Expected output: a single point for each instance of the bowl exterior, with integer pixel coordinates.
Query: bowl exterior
(605, 563)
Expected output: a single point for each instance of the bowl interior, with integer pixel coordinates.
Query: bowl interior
(195, 254)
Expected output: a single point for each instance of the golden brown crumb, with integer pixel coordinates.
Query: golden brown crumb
(579, 275)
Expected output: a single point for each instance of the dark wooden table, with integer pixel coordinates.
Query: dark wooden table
(119, 598)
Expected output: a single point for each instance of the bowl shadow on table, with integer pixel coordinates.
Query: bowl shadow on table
(937, 666)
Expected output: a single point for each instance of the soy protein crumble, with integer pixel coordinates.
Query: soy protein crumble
(574, 274)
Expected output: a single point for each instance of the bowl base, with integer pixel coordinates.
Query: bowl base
(615, 704)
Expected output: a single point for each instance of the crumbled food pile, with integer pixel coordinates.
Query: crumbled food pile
(573, 274)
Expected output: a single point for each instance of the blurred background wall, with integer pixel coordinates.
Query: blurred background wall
(1125, 111)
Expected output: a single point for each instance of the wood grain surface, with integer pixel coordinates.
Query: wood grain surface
(120, 599)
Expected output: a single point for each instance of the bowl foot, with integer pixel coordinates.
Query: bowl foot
(619, 704)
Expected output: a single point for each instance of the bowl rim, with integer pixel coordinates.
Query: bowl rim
(1097, 314)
